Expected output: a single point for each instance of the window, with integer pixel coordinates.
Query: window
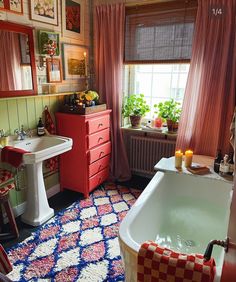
(159, 82)
(158, 47)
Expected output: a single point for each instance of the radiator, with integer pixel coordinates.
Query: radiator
(145, 152)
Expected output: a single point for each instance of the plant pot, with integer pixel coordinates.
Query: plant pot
(135, 121)
(172, 125)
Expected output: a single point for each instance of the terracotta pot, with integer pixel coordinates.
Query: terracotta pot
(135, 121)
(172, 126)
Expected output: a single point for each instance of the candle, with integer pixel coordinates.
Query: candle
(188, 158)
(85, 64)
(178, 159)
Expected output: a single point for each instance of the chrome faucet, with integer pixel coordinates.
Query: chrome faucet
(21, 134)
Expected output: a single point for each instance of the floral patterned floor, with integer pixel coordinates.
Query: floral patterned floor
(79, 243)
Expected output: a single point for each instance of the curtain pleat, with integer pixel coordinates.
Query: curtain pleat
(210, 91)
(109, 44)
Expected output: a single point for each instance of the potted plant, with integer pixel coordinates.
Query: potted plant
(170, 111)
(135, 107)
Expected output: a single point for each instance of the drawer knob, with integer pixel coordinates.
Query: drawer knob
(100, 124)
(101, 153)
(100, 139)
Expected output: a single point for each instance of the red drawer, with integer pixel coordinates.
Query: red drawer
(97, 124)
(98, 138)
(99, 152)
(98, 178)
(99, 165)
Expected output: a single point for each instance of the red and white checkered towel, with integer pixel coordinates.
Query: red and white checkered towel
(158, 264)
(52, 163)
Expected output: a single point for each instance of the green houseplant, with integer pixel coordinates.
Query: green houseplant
(170, 111)
(135, 107)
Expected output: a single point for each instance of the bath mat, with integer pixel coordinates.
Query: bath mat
(79, 243)
(156, 263)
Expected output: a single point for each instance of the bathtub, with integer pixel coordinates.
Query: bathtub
(179, 211)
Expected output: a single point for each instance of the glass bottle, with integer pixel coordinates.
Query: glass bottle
(217, 161)
(40, 128)
(231, 164)
(224, 166)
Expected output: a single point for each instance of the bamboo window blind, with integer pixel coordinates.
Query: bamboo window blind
(160, 32)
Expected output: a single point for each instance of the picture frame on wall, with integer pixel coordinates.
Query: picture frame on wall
(54, 70)
(14, 6)
(75, 61)
(73, 19)
(47, 39)
(45, 11)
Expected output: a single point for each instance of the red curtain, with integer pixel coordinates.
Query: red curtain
(109, 43)
(210, 92)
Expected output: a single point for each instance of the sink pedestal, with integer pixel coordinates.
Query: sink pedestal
(37, 207)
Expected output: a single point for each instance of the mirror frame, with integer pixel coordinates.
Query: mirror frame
(29, 31)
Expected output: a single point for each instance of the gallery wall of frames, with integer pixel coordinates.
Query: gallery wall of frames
(61, 40)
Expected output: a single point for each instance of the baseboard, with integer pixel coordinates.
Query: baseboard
(19, 210)
(53, 190)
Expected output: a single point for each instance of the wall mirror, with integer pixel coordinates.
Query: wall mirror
(17, 61)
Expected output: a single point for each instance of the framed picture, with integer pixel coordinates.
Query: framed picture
(44, 11)
(15, 6)
(73, 19)
(75, 61)
(48, 42)
(54, 72)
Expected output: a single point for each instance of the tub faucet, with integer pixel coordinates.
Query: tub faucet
(21, 134)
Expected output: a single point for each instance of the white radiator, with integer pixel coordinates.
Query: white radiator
(145, 152)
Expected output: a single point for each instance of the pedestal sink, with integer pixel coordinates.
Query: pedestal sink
(40, 148)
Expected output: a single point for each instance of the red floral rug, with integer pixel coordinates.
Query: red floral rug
(79, 243)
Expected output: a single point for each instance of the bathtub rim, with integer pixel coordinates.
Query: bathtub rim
(124, 230)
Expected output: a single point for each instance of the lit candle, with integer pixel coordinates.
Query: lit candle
(188, 158)
(178, 159)
(85, 64)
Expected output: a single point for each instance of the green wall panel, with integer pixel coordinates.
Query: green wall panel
(32, 122)
(22, 113)
(4, 121)
(12, 116)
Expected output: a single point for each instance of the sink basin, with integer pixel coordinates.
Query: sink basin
(42, 148)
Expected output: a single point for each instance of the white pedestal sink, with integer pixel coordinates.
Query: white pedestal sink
(40, 148)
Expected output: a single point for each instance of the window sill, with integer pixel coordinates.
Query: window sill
(163, 132)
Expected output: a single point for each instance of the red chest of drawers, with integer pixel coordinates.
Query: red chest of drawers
(87, 165)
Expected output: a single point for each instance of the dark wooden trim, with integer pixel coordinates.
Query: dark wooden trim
(183, 61)
(160, 7)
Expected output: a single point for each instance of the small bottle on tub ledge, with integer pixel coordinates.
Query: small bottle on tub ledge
(224, 166)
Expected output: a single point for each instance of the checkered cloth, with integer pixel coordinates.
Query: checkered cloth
(158, 264)
(52, 163)
(5, 184)
(5, 175)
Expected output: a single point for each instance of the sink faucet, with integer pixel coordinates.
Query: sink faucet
(21, 134)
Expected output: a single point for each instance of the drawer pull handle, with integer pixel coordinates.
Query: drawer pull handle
(100, 124)
(100, 139)
(101, 153)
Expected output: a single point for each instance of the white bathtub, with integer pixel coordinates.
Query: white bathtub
(178, 211)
